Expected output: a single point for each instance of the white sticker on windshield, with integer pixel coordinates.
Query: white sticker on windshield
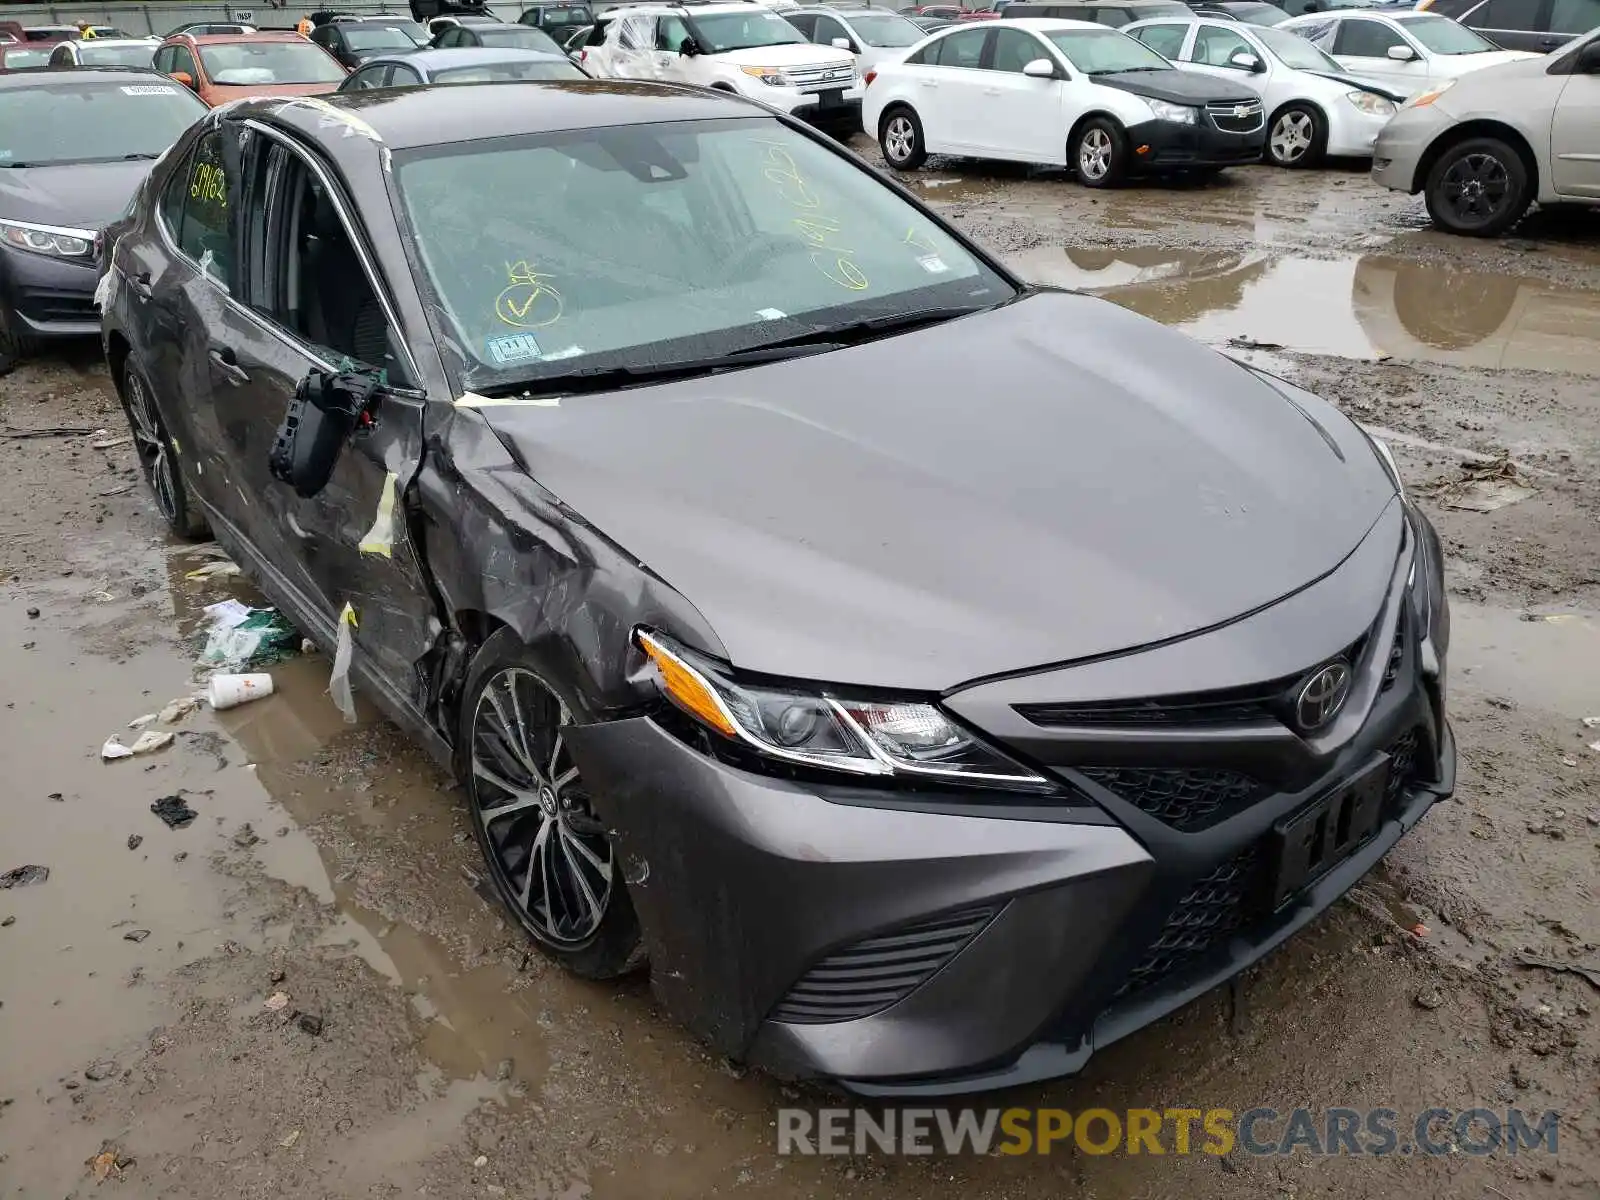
(771, 314)
(933, 264)
(515, 347)
(149, 89)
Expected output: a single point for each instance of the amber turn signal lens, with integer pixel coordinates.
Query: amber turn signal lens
(683, 685)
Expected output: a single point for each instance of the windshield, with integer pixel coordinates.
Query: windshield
(520, 36)
(1294, 51)
(719, 32)
(1258, 14)
(17, 59)
(1105, 51)
(886, 30)
(91, 55)
(556, 68)
(251, 64)
(92, 121)
(1444, 36)
(633, 245)
(379, 37)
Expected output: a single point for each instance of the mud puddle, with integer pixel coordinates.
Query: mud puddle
(1370, 307)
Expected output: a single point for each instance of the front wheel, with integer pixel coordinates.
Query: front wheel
(550, 858)
(1297, 137)
(900, 139)
(158, 458)
(1478, 188)
(1100, 153)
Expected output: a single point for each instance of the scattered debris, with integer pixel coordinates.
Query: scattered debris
(136, 935)
(344, 652)
(134, 841)
(104, 1165)
(1568, 761)
(116, 491)
(176, 710)
(288, 1142)
(276, 973)
(1246, 343)
(245, 837)
(1483, 487)
(481, 1161)
(230, 691)
(23, 876)
(240, 637)
(110, 443)
(1591, 722)
(49, 431)
(1429, 998)
(1589, 971)
(311, 1023)
(102, 1070)
(8, 922)
(141, 722)
(33, 614)
(174, 812)
(503, 1070)
(276, 1002)
(148, 742)
(214, 570)
(1419, 930)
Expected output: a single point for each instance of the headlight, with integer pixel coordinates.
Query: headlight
(1371, 103)
(48, 239)
(1178, 113)
(831, 732)
(772, 76)
(1422, 99)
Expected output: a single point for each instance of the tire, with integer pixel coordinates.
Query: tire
(529, 810)
(14, 346)
(1478, 188)
(1099, 153)
(158, 459)
(1297, 136)
(900, 139)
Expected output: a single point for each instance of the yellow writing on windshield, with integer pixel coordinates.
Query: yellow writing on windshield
(818, 227)
(209, 185)
(528, 301)
(920, 241)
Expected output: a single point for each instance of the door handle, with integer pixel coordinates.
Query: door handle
(227, 362)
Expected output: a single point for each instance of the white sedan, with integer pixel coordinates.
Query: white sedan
(1409, 51)
(1042, 90)
(1313, 107)
(872, 35)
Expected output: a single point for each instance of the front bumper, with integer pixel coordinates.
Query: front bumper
(1171, 146)
(1351, 132)
(1397, 154)
(47, 297)
(935, 943)
(832, 107)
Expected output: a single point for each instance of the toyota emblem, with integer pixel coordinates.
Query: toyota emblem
(1321, 697)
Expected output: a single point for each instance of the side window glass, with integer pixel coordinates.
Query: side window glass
(171, 206)
(1214, 46)
(828, 29)
(404, 77)
(163, 60)
(806, 24)
(203, 234)
(964, 49)
(1320, 32)
(1574, 16)
(1116, 18)
(1515, 15)
(182, 60)
(671, 33)
(1365, 39)
(1014, 50)
(1165, 40)
(61, 57)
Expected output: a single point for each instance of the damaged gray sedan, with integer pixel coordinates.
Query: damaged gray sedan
(933, 678)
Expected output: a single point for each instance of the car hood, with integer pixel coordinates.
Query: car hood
(76, 195)
(1178, 87)
(797, 54)
(1052, 480)
(1456, 65)
(220, 93)
(1346, 82)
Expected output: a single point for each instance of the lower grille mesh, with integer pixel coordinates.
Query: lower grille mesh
(1187, 798)
(1218, 904)
(870, 975)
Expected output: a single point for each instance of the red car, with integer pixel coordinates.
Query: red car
(227, 66)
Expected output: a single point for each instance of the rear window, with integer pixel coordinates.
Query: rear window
(1444, 36)
(378, 37)
(92, 121)
(253, 64)
(522, 36)
(91, 55)
(571, 14)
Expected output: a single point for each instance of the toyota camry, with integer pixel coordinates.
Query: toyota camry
(932, 678)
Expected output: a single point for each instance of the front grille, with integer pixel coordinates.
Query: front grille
(1403, 763)
(1211, 910)
(1187, 798)
(804, 77)
(1236, 118)
(870, 975)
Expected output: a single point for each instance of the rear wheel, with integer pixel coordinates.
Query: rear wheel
(158, 458)
(1297, 136)
(1100, 153)
(1478, 187)
(900, 139)
(549, 856)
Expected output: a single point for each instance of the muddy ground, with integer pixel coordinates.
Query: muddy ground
(421, 1048)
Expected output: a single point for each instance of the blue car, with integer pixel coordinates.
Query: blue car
(467, 64)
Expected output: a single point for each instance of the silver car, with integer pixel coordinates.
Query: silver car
(1483, 147)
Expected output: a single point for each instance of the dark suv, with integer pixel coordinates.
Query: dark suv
(559, 18)
(1115, 13)
(1539, 25)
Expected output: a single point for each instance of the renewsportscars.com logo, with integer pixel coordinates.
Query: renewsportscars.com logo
(1258, 1132)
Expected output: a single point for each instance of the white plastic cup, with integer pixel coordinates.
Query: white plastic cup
(230, 691)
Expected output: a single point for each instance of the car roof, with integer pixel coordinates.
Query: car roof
(1051, 24)
(222, 39)
(465, 56)
(97, 43)
(110, 76)
(406, 118)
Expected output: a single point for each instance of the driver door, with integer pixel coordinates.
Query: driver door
(1024, 112)
(633, 48)
(668, 60)
(1575, 137)
(1362, 46)
(1212, 50)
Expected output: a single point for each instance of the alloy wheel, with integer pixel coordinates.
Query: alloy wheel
(899, 138)
(151, 444)
(542, 838)
(1094, 154)
(1292, 135)
(1476, 188)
